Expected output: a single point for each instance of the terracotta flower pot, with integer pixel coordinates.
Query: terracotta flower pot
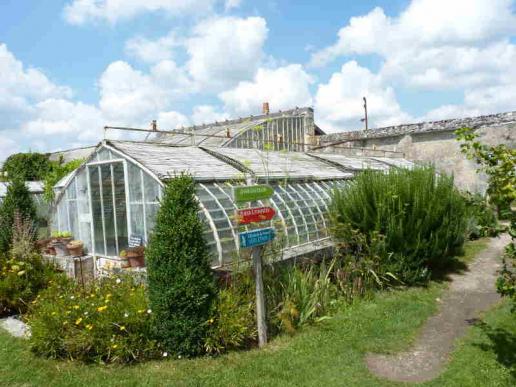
(75, 248)
(60, 248)
(136, 260)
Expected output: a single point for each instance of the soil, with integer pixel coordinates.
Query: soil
(468, 295)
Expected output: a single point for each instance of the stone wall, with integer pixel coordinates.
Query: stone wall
(432, 142)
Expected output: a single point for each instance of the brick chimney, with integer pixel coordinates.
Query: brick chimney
(265, 108)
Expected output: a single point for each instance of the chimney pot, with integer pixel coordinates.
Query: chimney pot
(265, 108)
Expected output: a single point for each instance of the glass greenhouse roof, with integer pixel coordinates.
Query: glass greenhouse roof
(114, 196)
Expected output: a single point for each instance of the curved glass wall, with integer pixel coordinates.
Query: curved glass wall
(112, 201)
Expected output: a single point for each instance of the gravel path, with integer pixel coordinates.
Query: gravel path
(469, 294)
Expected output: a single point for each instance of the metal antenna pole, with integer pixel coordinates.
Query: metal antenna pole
(365, 115)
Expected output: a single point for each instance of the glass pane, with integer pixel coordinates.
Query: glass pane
(103, 154)
(74, 221)
(150, 212)
(135, 183)
(137, 221)
(96, 206)
(83, 208)
(109, 216)
(120, 202)
(151, 187)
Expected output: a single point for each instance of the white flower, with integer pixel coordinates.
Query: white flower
(72, 297)
(149, 311)
(126, 315)
(179, 357)
(118, 280)
(165, 354)
(85, 313)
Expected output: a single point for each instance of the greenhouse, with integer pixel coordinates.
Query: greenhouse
(113, 197)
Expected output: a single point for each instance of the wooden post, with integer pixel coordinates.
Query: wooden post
(260, 296)
(256, 254)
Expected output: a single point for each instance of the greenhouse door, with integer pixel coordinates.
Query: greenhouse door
(108, 204)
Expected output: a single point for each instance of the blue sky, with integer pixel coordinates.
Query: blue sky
(69, 67)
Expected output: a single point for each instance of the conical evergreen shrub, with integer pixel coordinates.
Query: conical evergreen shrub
(181, 283)
(17, 199)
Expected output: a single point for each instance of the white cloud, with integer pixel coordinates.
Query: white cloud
(424, 24)
(225, 50)
(204, 114)
(339, 105)
(21, 86)
(34, 109)
(284, 88)
(82, 11)
(230, 4)
(7, 145)
(130, 97)
(172, 120)
(460, 45)
(152, 51)
(65, 120)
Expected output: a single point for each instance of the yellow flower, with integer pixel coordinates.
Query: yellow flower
(89, 327)
(65, 322)
(54, 313)
(122, 328)
(78, 321)
(114, 346)
(76, 306)
(108, 295)
(101, 308)
(141, 311)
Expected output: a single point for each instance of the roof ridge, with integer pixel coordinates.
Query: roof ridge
(239, 120)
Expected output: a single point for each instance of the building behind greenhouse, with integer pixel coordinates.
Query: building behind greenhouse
(114, 196)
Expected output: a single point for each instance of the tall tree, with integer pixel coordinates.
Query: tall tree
(181, 283)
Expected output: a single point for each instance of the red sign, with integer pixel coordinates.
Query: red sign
(254, 215)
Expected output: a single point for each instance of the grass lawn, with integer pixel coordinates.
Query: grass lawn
(329, 353)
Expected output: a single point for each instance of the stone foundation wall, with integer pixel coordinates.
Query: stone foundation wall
(433, 142)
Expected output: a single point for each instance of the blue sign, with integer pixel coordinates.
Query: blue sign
(256, 237)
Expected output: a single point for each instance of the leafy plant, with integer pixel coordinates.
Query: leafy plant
(23, 274)
(108, 321)
(232, 324)
(419, 216)
(298, 296)
(61, 234)
(17, 200)
(27, 166)
(181, 283)
(499, 163)
(482, 221)
(58, 170)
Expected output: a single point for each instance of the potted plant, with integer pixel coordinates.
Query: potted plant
(135, 255)
(59, 242)
(75, 248)
(125, 262)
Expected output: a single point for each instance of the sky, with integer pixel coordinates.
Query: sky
(70, 67)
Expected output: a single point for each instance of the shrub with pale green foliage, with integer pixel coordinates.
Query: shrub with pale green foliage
(419, 216)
